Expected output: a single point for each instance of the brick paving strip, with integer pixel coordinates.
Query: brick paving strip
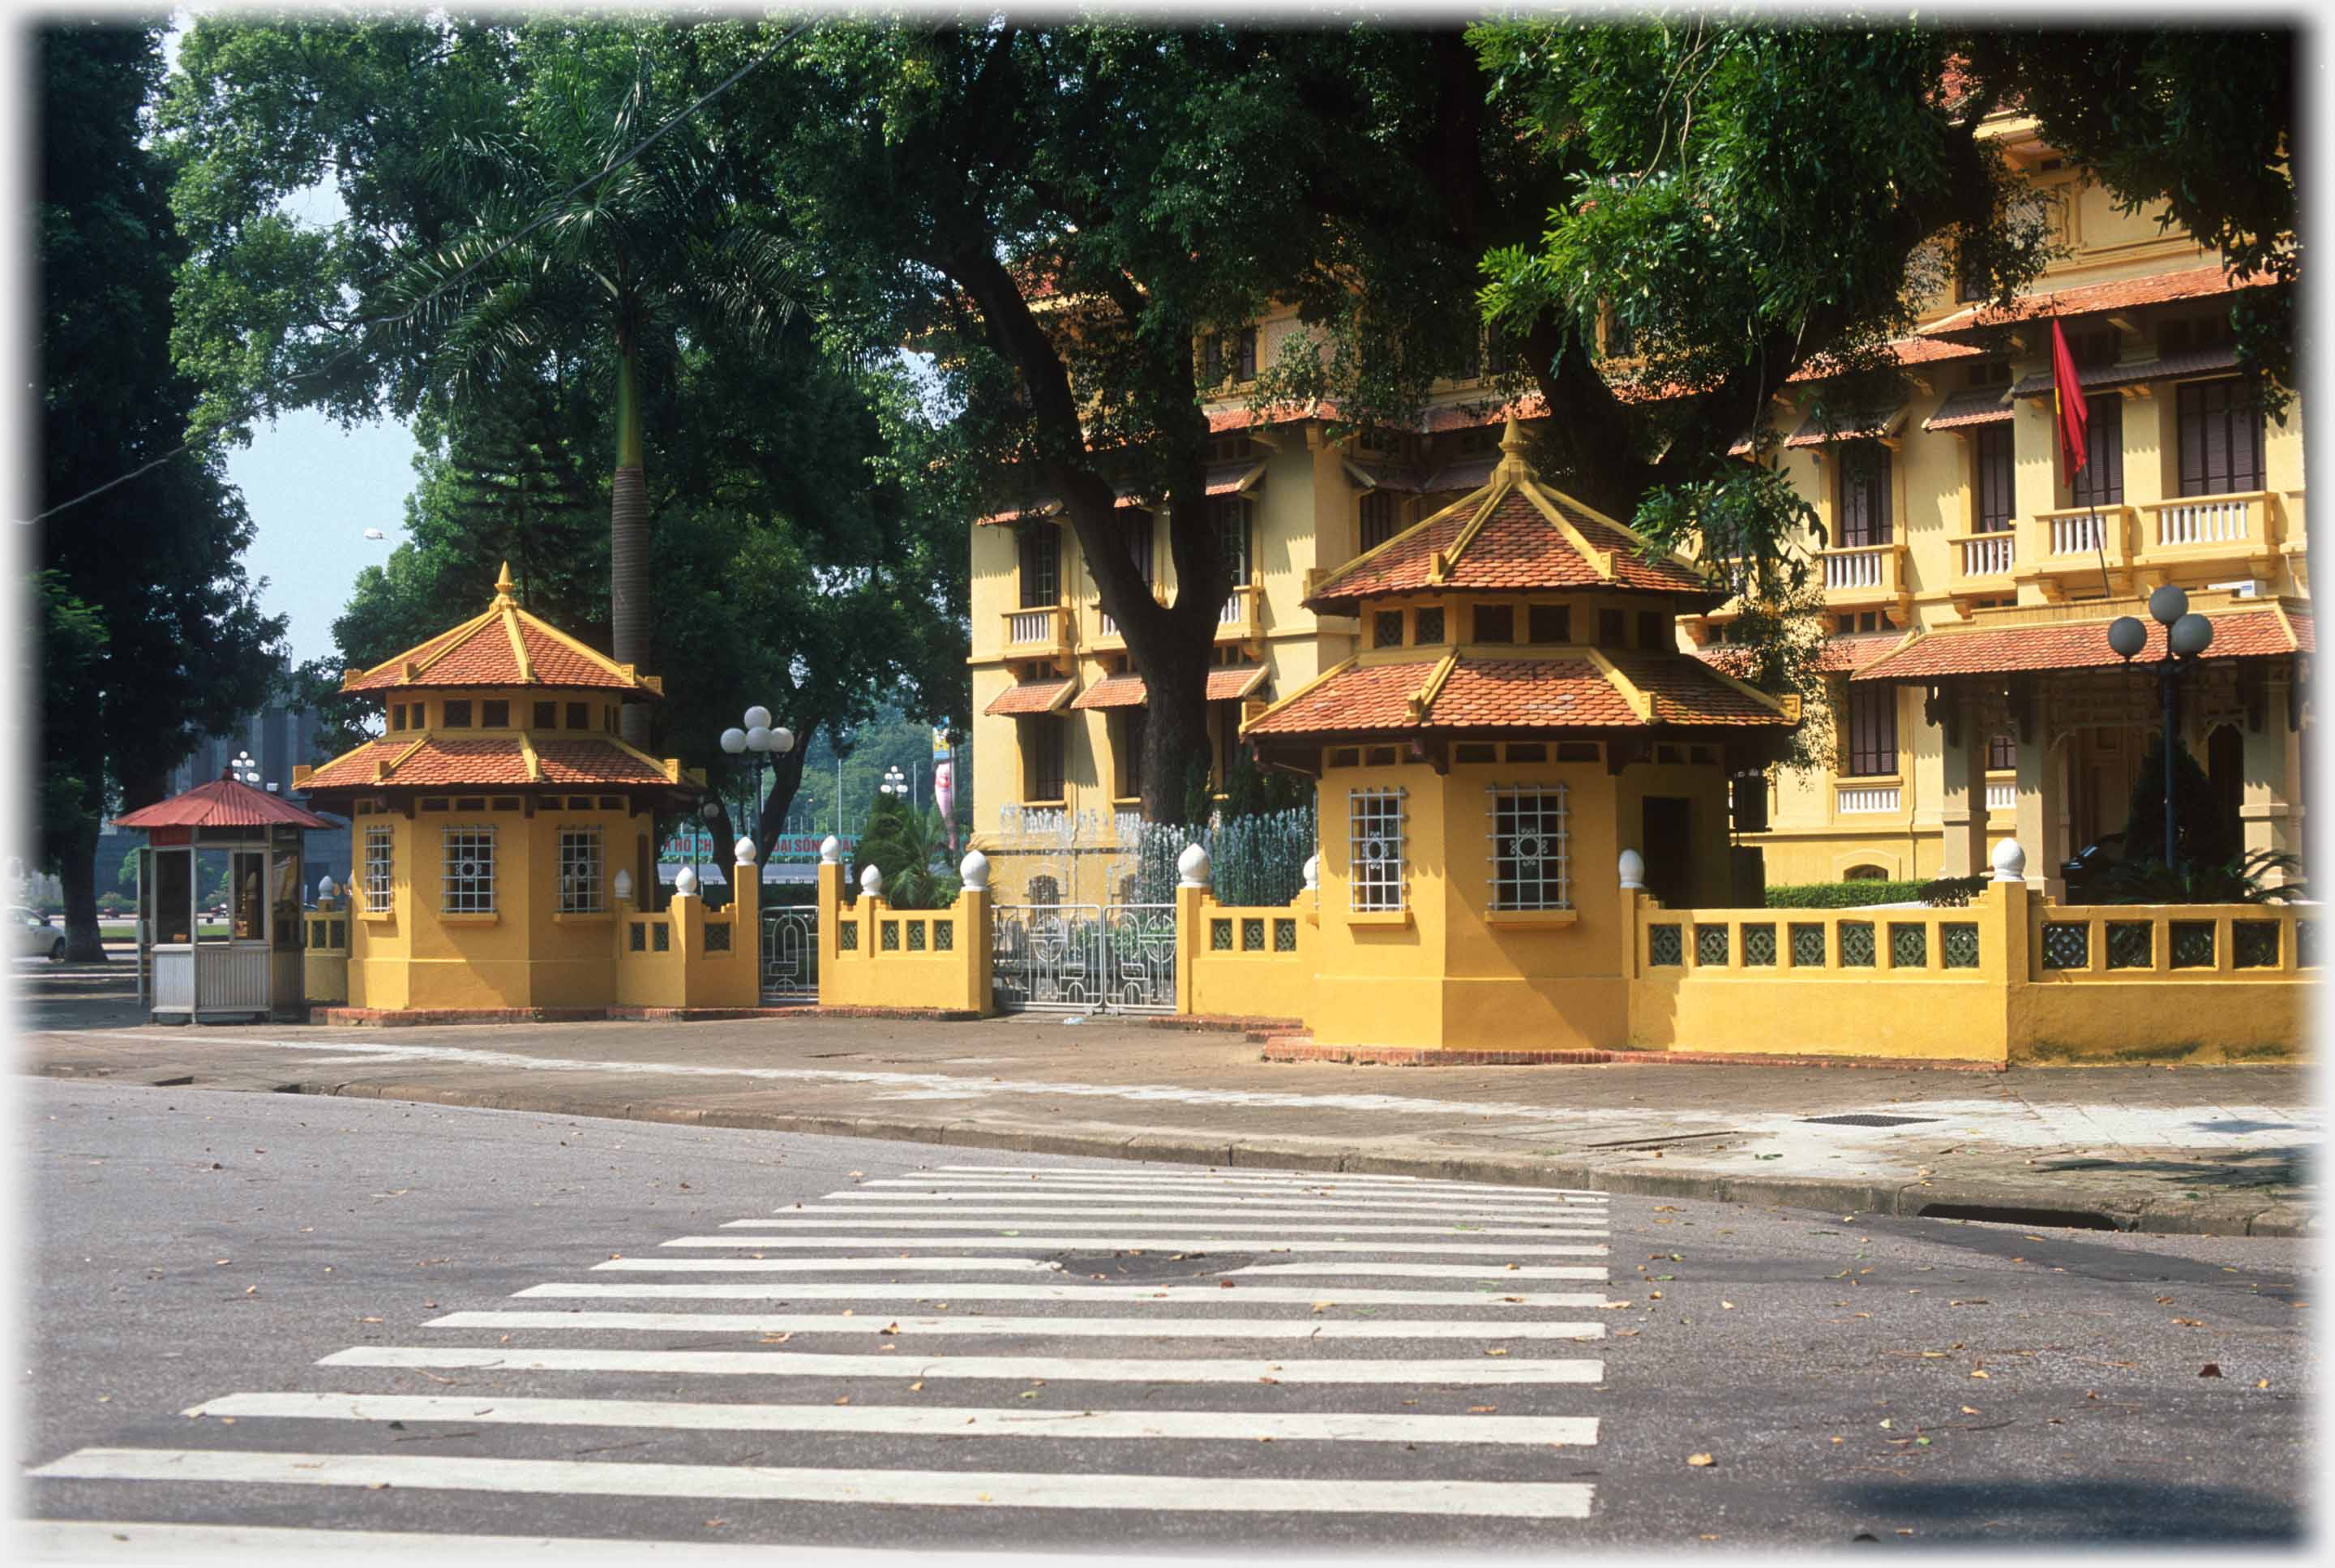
(2212, 1150)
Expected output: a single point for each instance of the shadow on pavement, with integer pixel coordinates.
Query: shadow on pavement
(2079, 1509)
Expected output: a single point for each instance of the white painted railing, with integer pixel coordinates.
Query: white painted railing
(1861, 568)
(1030, 626)
(2076, 534)
(1986, 554)
(2208, 520)
(1875, 798)
(1229, 614)
(2001, 795)
(1104, 625)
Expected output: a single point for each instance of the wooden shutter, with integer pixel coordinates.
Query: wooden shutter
(2100, 481)
(1864, 495)
(1872, 729)
(2220, 439)
(1997, 504)
(1042, 559)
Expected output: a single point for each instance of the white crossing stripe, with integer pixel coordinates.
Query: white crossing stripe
(852, 1265)
(1468, 1371)
(1273, 1217)
(1275, 1227)
(1304, 1327)
(1432, 1271)
(75, 1540)
(926, 1488)
(943, 1421)
(1131, 1244)
(1267, 1202)
(1113, 1296)
(1247, 1176)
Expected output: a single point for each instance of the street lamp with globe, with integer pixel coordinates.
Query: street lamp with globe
(761, 744)
(895, 783)
(244, 768)
(2187, 635)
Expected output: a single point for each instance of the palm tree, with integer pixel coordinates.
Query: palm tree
(658, 254)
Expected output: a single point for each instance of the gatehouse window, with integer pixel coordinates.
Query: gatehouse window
(458, 714)
(1386, 629)
(494, 715)
(579, 716)
(380, 868)
(1496, 624)
(1530, 849)
(469, 885)
(580, 874)
(1430, 629)
(1374, 841)
(1549, 623)
(1043, 890)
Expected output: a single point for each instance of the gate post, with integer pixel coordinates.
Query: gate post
(1191, 894)
(976, 920)
(831, 912)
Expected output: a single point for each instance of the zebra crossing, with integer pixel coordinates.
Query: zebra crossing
(1196, 1356)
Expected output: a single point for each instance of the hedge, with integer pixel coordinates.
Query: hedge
(1842, 895)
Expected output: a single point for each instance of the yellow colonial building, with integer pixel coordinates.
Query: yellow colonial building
(1969, 583)
(500, 828)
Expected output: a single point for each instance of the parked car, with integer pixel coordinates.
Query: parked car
(35, 937)
(2087, 865)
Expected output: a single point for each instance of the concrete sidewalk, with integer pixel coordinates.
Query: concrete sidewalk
(2216, 1151)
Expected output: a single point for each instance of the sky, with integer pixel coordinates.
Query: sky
(313, 491)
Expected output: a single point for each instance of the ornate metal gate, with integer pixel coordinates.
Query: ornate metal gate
(1084, 957)
(790, 955)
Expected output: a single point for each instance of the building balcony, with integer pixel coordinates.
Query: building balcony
(1041, 631)
(1866, 575)
(1108, 638)
(1868, 797)
(2074, 544)
(1242, 618)
(1984, 563)
(2240, 527)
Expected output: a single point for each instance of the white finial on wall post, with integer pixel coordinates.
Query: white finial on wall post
(1313, 874)
(973, 871)
(871, 881)
(744, 852)
(2010, 861)
(830, 850)
(684, 885)
(1634, 871)
(1192, 868)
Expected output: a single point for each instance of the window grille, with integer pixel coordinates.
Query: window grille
(1549, 623)
(1496, 624)
(547, 715)
(580, 878)
(1531, 847)
(458, 715)
(579, 716)
(1387, 629)
(469, 883)
(379, 865)
(1374, 837)
(1429, 630)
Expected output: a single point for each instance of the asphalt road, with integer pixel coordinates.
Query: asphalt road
(1915, 1382)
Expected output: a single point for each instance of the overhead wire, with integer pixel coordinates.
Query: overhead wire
(550, 209)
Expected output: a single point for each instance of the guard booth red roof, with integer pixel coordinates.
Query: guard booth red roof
(222, 803)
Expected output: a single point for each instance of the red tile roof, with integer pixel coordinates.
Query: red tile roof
(1031, 697)
(2238, 633)
(2165, 367)
(479, 652)
(1977, 406)
(1846, 427)
(2091, 299)
(1225, 685)
(496, 761)
(221, 803)
(1840, 655)
(1517, 548)
(1547, 693)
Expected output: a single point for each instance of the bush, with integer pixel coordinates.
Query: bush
(1253, 861)
(1842, 895)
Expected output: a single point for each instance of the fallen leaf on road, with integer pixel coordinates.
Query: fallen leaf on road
(1496, 1351)
(1976, 1373)
(1223, 1284)
(2190, 1322)
(1481, 1410)
(1701, 1461)
(916, 1388)
(1727, 1306)
(1968, 1411)
(2262, 1383)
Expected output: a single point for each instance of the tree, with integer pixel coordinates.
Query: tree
(151, 632)
(906, 843)
(2204, 837)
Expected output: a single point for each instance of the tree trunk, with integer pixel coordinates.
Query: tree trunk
(786, 781)
(1175, 729)
(78, 872)
(628, 545)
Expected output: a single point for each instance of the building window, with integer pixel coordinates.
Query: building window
(579, 716)
(379, 867)
(1131, 722)
(1970, 277)
(1609, 629)
(1991, 464)
(1378, 518)
(1042, 755)
(1872, 728)
(397, 715)
(1374, 841)
(458, 714)
(1430, 629)
(1044, 891)
(2221, 428)
(494, 715)
(580, 878)
(2002, 753)
(1530, 860)
(470, 882)
(1655, 633)
(1864, 495)
(2100, 481)
(1549, 623)
(1042, 566)
(1231, 518)
(1139, 545)
(1496, 624)
(1245, 354)
(547, 715)
(1386, 629)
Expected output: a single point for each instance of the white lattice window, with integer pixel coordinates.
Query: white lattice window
(1531, 847)
(1374, 841)
(580, 878)
(469, 881)
(380, 865)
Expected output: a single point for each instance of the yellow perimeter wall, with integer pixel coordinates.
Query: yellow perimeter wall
(873, 955)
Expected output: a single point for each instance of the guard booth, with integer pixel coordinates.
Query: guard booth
(219, 929)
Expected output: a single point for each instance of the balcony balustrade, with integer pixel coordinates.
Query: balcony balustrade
(1040, 632)
(1979, 556)
(2240, 526)
(1240, 619)
(1866, 574)
(1852, 799)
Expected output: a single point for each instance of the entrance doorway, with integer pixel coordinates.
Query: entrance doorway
(1664, 827)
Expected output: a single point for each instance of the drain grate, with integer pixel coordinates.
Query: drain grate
(1866, 1119)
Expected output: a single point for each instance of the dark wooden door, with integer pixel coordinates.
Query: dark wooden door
(1664, 842)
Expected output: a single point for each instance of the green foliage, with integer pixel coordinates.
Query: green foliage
(1954, 892)
(1251, 791)
(2205, 837)
(1199, 800)
(1843, 894)
(2240, 879)
(908, 846)
(1254, 860)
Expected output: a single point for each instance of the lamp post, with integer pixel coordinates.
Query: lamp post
(2187, 634)
(244, 768)
(761, 744)
(895, 783)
